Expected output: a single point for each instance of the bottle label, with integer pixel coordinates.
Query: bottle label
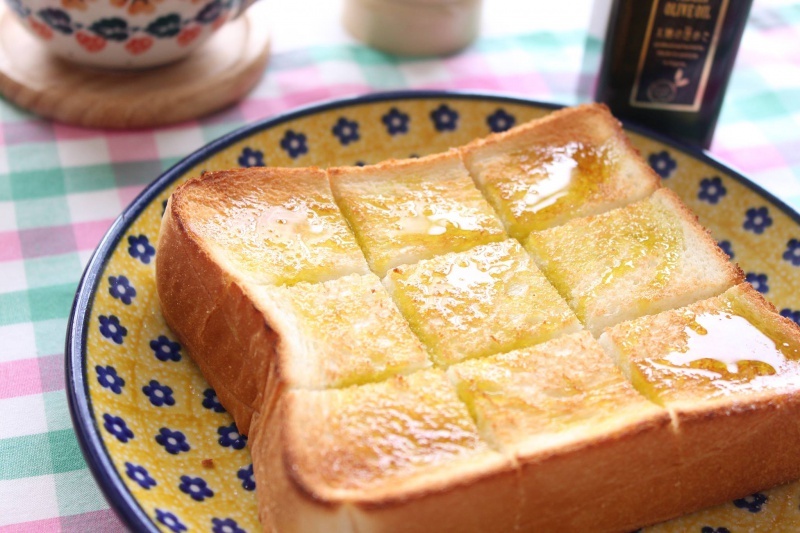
(677, 52)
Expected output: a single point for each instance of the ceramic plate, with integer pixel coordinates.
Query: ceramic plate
(163, 449)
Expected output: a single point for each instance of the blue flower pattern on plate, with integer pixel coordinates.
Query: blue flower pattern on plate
(727, 247)
(231, 438)
(140, 248)
(226, 525)
(117, 427)
(791, 315)
(444, 118)
(57, 19)
(396, 121)
(711, 190)
(500, 121)
(172, 441)
(210, 12)
(251, 158)
(709, 529)
(165, 349)
(110, 328)
(159, 394)
(662, 163)
(210, 401)
(18, 8)
(170, 520)
(120, 288)
(247, 477)
(792, 253)
(196, 487)
(107, 378)
(752, 503)
(346, 131)
(758, 281)
(140, 475)
(294, 144)
(757, 219)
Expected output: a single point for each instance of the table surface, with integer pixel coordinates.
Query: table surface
(61, 187)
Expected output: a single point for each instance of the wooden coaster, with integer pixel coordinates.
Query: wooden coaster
(215, 75)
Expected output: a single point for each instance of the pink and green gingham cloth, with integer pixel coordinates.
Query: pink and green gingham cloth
(61, 187)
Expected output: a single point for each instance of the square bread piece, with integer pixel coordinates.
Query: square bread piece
(341, 332)
(572, 163)
(643, 258)
(584, 438)
(401, 455)
(404, 211)
(484, 301)
(728, 369)
(269, 225)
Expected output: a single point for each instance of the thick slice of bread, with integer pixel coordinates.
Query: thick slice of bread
(483, 301)
(585, 440)
(341, 332)
(639, 259)
(728, 370)
(402, 455)
(404, 211)
(571, 163)
(223, 234)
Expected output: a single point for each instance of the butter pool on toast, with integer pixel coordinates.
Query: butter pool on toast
(400, 364)
(574, 162)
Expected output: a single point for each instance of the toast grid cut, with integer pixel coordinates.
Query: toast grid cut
(270, 225)
(572, 163)
(639, 259)
(487, 300)
(341, 332)
(408, 210)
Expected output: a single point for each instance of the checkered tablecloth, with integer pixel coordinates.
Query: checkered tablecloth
(61, 187)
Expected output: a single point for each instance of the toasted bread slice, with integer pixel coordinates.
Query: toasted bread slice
(728, 370)
(483, 301)
(640, 259)
(404, 211)
(583, 437)
(341, 332)
(269, 225)
(402, 455)
(574, 162)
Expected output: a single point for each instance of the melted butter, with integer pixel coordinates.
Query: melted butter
(287, 224)
(544, 181)
(435, 220)
(464, 274)
(728, 340)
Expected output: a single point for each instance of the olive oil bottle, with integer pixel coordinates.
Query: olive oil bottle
(666, 63)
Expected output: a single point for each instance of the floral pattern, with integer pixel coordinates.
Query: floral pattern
(140, 475)
(757, 219)
(727, 247)
(170, 520)
(110, 328)
(792, 253)
(117, 427)
(758, 281)
(752, 503)
(396, 121)
(251, 158)
(662, 163)
(500, 121)
(139, 247)
(165, 349)
(226, 525)
(247, 477)
(107, 377)
(294, 144)
(231, 438)
(158, 394)
(444, 118)
(174, 442)
(210, 401)
(346, 131)
(711, 190)
(791, 315)
(196, 487)
(121, 289)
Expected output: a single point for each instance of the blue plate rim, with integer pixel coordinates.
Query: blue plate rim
(88, 434)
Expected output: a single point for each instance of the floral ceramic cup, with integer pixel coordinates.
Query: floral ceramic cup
(124, 34)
